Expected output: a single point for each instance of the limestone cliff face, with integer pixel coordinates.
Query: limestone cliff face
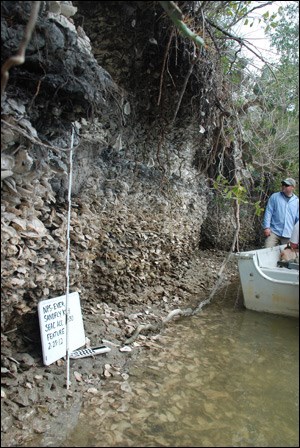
(94, 78)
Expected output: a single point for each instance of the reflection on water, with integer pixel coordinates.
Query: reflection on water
(225, 377)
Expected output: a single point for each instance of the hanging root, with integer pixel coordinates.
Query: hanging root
(139, 329)
(19, 58)
(147, 327)
(157, 327)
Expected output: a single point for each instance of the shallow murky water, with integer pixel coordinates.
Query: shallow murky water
(227, 377)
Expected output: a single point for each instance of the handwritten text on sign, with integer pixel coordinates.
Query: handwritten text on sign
(52, 319)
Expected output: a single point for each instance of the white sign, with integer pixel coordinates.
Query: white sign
(52, 319)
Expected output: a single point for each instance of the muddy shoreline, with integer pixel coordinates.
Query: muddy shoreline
(35, 399)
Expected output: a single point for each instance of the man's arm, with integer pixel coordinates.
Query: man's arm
(267, 216)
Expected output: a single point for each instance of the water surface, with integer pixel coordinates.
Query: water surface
(226, 377)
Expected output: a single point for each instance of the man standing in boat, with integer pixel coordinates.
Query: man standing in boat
(281, 214)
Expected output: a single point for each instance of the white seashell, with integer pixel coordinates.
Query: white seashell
(67, 10)
(7, 162)
(19, 224)
(17, 281)
(127, 108)
(5, 174)
(92, 390)
(37, 226)
(23, 162)
(126, 387)
(11, 185)
(78, 376)
(125, 349)
(54, 7)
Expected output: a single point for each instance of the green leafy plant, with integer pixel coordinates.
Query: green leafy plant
(237, 191)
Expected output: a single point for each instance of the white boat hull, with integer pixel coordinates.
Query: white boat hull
(266, 287)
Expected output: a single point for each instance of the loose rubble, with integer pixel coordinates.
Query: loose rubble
(137, 211)
(34, 396)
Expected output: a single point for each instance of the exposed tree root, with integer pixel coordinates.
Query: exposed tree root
(147, 327)
(187, 311)
(19, 58)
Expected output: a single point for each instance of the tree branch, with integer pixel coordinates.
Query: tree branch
(176, 16)
(19, 58)
(242, 42)
(249, 12)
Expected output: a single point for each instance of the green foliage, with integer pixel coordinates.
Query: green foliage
(270, 127)
(258, 209)
(285, 35)
(235, 192)
(264, 105)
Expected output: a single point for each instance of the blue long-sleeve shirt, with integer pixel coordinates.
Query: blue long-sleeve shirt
(281, 214)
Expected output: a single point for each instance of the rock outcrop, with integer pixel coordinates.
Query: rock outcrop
(140, 194)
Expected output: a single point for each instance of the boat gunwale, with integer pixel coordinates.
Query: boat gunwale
(253, 256)
(276, 296)
(272, 279)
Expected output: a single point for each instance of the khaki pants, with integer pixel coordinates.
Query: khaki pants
(275, 240)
